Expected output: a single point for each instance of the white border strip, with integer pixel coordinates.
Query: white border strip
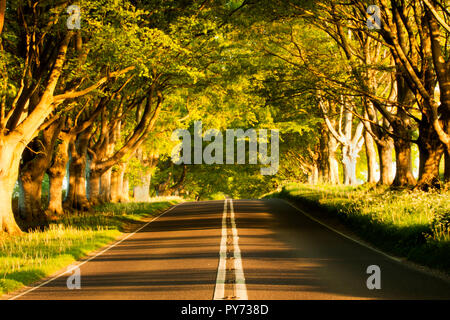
(70, 269)
(342, 234)
(219, 290)
(241, 289)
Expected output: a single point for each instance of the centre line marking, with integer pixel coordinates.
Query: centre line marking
(219, 291)
(240, 287)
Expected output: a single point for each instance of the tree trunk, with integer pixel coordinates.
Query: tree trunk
(431, 150)
(94, 188)
(9, 171)
(385, 160)
(55, 197)
(105, 186)
(313, 177)
(403, 173)
(371, 156)
(2, 14)
(117, 181)
(7, 222)
(351, 140)
(323, 161)
(30, 198)
(116, 186)
(76, 195)
(403, 129)
(125, 196)
(33, 166)
(100, 179)
(56, 174)
(334, 169)
(429, 167)
(447, 167)
(349, 165)
(333, 164)
(142, 192)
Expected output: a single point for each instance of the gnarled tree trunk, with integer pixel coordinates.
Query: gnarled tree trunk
(76, 195)
(56, 173)
(333, 165)
(125, 197)
(431, 150)
(351, 141)
(32, 171)
(323, 161)
(403, 174)
(349, 165)
(117, 181)
(105, 186)
(94, 187)
(447, 167)
(2, 14)
(30, 205)
(313, 177)
(402, 127)
(9, 170)
(141, 193)
(385, 158)
(21, 131)
(371, 156)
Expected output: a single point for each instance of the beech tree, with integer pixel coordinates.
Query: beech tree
(103, 99)
(51, 64)
(56, 171)
(415, 34)
(40, 46)
(413, 54)
(351, 139)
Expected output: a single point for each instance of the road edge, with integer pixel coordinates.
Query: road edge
(90, 256)
(399, 260)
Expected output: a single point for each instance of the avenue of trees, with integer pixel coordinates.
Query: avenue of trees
(86, 115)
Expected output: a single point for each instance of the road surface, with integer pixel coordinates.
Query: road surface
(239, 249)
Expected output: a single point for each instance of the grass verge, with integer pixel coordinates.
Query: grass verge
(410, 224)
(35, 255)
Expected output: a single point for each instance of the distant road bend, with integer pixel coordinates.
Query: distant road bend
(238, 249)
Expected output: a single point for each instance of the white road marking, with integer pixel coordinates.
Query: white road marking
(69, 270)
(241, 289)
(219, 291)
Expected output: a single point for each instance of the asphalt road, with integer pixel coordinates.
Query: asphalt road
(281, 253)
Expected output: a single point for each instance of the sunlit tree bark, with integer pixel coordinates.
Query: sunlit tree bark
(14, 141)
(117, 184)
(56, 173)
(371, 156)
(76, 195)
(351, 140)
(102, 162)
(35, 162)
(2, 14)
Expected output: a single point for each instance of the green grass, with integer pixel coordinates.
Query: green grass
(29, 257)
(412, 224)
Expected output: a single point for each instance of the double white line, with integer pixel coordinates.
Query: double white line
(240, 292)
